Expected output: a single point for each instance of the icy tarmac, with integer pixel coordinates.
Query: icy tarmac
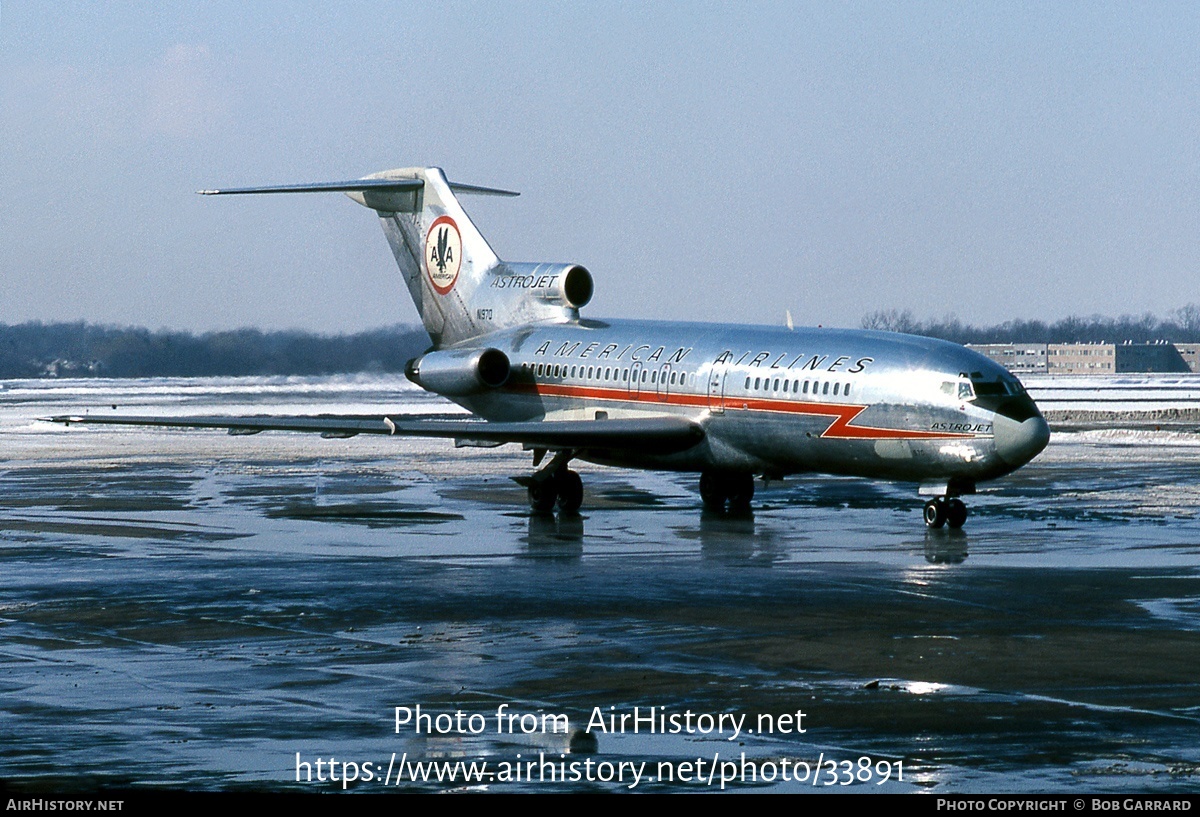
(187, 609)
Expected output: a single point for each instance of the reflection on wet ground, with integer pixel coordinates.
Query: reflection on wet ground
(190, 610)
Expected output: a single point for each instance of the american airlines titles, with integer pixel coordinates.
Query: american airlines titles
(650, 354)
(638, 353)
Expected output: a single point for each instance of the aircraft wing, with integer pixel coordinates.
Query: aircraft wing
(658, 435)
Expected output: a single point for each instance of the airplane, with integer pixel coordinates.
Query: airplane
(509, 344)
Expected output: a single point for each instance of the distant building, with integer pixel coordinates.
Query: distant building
(1081, 358)
(1190, 352)
(1114, 358)
(1016, 357)
(1092, 358)
(1159, 356)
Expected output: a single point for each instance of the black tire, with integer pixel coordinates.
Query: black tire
(542, 495)
(570, 492)
(956, 513)
(935, 513)
(712, 490)
(741, 492)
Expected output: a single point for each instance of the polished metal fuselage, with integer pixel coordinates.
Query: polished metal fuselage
(771, 400)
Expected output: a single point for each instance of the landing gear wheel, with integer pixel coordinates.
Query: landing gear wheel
(935, 513)
(542, 495)
(712, 490)
(717, 487)
(570, 492)
(741, 491)
(956, 513)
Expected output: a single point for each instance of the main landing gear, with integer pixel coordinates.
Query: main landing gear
(720, 487)
(555, 486)
(943, 511)
(562, 490)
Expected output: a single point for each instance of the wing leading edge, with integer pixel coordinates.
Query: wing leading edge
(658, 435)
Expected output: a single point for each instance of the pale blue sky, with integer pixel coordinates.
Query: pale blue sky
(705, 161)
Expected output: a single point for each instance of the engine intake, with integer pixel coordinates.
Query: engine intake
(459, 372)
(567, 285)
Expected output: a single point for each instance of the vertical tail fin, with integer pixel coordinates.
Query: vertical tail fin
(460, 287)
(443, 257)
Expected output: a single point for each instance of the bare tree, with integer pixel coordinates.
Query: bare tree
(1187, 318)
(890, 320)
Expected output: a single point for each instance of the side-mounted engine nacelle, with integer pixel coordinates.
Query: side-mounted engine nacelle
(568, 285)
(459, 372)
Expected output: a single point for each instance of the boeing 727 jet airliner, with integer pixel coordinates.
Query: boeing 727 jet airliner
(730, 402)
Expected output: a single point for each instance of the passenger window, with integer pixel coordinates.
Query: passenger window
(653, 377)
(806, 387)
(777, 384)
(644, 375)
(846, 391)
(757, 382)
(836, 386)
(826, 389)
(747, 382)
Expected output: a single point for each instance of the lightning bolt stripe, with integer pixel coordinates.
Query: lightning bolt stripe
(841, 414)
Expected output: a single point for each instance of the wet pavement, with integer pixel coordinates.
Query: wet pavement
(188, 609)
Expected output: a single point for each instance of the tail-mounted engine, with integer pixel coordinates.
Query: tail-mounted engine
(568, 285)
(461, 372)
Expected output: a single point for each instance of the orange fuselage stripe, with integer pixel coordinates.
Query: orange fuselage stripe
(841, 414)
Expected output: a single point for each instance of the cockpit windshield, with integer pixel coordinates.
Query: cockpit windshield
(972, 385)
(1003, 386)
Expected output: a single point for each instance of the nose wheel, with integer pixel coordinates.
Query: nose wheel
(719, 487)
(944, 511)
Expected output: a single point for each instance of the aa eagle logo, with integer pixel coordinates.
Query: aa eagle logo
(443, 254)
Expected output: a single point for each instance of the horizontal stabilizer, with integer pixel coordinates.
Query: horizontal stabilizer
(658, 435)
(356, 186)
(481, 191)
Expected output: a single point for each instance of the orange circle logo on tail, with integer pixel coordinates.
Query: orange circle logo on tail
(443, 254)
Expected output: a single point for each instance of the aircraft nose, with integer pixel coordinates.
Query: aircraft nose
(1019, 442)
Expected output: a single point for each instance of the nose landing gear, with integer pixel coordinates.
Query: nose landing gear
(719, 487)
(943, 511)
